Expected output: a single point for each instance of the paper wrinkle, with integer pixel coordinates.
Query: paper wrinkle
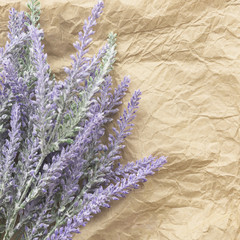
(185, 58)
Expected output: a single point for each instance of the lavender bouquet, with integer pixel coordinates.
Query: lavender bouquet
(57, 168)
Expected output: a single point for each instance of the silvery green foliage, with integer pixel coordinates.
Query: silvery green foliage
(57, 169)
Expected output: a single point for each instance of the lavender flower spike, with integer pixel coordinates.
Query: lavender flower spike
(9, 152)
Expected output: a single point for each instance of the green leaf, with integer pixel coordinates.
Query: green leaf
(29, 6)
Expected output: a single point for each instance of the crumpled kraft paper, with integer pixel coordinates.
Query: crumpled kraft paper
(185, 58)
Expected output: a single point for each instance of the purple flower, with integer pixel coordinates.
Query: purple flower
(8, 155)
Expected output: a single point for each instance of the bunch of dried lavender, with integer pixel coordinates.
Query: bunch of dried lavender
(56, 170)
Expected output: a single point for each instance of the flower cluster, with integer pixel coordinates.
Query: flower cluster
(57, 168)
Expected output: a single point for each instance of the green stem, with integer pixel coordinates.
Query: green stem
(10, 231)
(57, 123)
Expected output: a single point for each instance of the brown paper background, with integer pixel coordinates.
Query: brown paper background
(185, 58)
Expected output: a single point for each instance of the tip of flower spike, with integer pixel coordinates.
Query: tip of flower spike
(101, 3)
(163, 159)
(112, 37)
(138, 92)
